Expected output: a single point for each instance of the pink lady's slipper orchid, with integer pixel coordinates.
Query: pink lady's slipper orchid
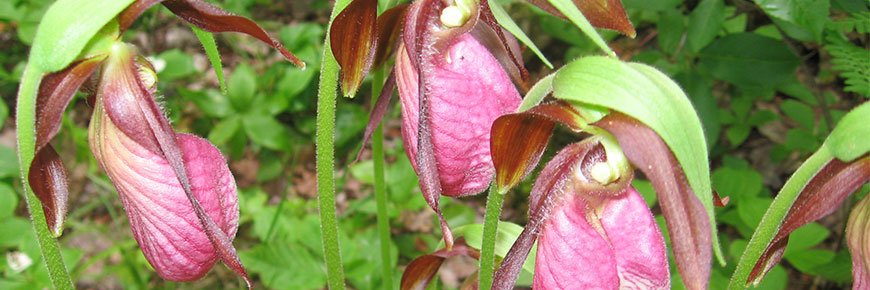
(178, 192)
(593, 229)
(592, 238)
(133, 154)
(454, 79)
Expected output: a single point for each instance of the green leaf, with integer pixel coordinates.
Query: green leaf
(809, 259)
(177, 64)
(66, 29)
(208, 43)
(648, 95)
(849, 139)
(801, 19)
(806, 237)
(644, 187)
(800, 113)
(8, 201)
(738, 183)
(570, 10)
(671, 26)
(12, 231)
(737, 134)
(4, 113)
(211, 102)
(507, 233)
(224, 130)
(647, 5)
(508, 23)
(772, 219)
(285, 265)
(748, 59)
(8, 162)
(241, 87)
(705, 22)
(267, 132)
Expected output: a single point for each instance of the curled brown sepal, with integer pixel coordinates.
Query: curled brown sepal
(421, 270)
(47, 175)
(686, 218)
(127, 91)
(825, 192)
(607, 14)
(389, 33)
(378, 112)
(503, 46)
(353, 39)
(213, 19)
(547, 191)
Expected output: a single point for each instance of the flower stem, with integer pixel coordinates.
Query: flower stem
(26, 123)
(380, 187)
(325, 151)
(490, 228)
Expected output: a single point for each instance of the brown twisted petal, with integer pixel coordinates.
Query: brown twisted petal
(47, 175)
(600, 13)
(209, 18)
(825, 192)
(421, 270)
(352, 38)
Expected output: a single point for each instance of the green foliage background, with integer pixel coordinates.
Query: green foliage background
(767, 77)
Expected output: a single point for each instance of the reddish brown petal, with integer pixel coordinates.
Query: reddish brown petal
(517, 143)
(213, 19)
(825, 192)
(502, 45)
(389, 32)
(546, 193)
(47, 175)
(49, 183)
(55, 92)
(126, 18)
(600, 13)
(718, 201)
(685, 216)
(378, 112)
(353, 38)
(421, 270)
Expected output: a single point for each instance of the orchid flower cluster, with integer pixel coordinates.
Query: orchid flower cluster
(471, 121)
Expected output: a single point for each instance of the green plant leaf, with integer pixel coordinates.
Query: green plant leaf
(801, 19)
(748, 59)
(800, 113)
(211, 102)
(671, 27)
(849, 139)
(8, 201)
(507, 233)
(705, 22)
(224, 130)
(176, 64)
(67, 27)
(241, 87)
(266, 131)
(508, 23)
(570, 10)
(8, 162)
(806, 237)
(648, 95)
(4, 112)
(207, 40)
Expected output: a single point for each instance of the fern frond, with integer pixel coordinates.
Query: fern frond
(853, 62)
(858, 22)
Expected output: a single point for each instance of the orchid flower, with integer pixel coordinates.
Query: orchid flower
(178, 192)
(594, 231)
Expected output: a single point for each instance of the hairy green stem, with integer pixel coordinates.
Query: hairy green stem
(490, 228)
(325, 151)
(26, 127)
(380, 186)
